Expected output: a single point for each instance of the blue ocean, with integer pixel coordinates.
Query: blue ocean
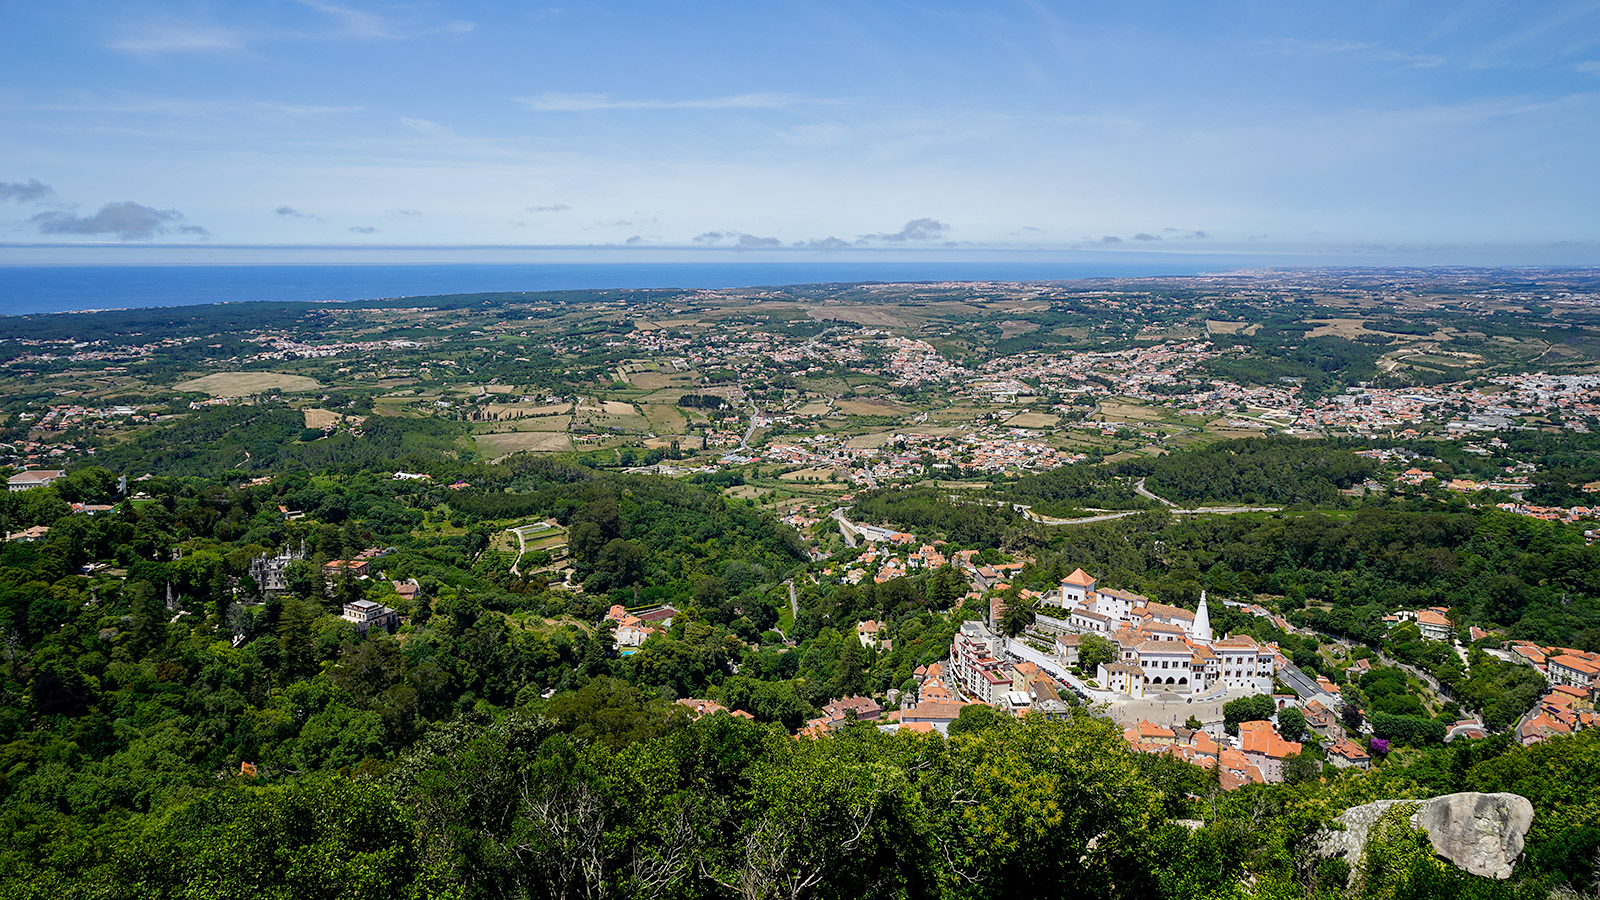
(50, 289)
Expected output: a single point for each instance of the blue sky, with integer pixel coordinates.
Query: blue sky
(1423, 132)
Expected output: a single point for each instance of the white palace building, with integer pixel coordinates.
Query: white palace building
(1164, 649)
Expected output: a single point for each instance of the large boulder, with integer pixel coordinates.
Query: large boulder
(1481, 833)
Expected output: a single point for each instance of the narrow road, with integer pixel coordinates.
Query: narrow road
(1139, 488)
(1417, 673)
(794, 601)
(744, 442)
(1087, 520)
(522, 547)
(846, 528)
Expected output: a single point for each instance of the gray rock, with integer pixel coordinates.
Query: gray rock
(1481, 833)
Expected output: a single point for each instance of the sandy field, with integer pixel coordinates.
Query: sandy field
(243, 384)
(321, 418)
(858, 316)
(1116, 411)
(808, 474)
(497, 445)
(1219, 327)
(866, 441)
(1033, 420)
(871, 408)
(1345, 328)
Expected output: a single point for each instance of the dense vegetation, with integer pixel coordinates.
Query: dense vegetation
(610, 793)
(1263, 470)
(169, 729)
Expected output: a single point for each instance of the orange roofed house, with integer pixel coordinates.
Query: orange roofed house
(1264, 749)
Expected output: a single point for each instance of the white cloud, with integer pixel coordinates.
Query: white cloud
(156, 39)
(560, 102)
(341, 23)
(424, 126)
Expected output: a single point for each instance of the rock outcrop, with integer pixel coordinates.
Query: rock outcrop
(1481, 833)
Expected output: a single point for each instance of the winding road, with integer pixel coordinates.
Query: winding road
(522, 547)
(1141, 490)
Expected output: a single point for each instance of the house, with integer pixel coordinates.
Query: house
(407, 589)
(1121, 678)
(867, 634)
(1146, 732)
(1089, 621)
(1265, 750)
(846, 708)
(1321, 720)
(36, 533)
(367, 615)
(698, 708)
(350, 568)
(1238, 770)
(33, 478)
(631, 634)
(1066, 647)
(631, 631)
(1540, 728)
(1530, 654)
(1347, 755)
(939, 714)
(1573, 670)
(1433, 624)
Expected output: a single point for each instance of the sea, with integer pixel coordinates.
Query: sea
(26, 290)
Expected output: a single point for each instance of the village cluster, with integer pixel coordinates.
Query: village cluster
(1163, 660)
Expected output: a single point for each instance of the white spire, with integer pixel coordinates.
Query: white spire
(1202, 621)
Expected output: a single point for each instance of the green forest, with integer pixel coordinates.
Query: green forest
(170, 728)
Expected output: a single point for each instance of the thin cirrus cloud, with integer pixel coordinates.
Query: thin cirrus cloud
(560, 102)
(178, 38)
(127, 220)
(553, 208)
(334, 23)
